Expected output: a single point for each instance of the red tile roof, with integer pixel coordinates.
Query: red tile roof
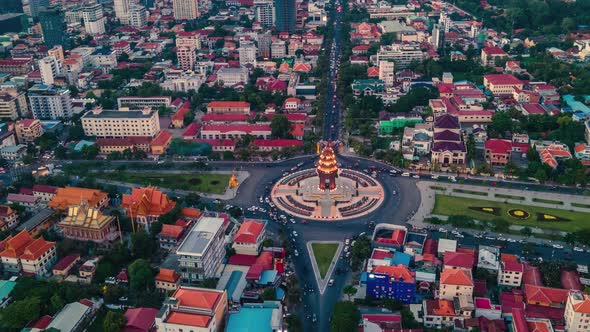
(243, 260)
(228, 104)
(264, 262)
(440, 307)
(188, 319)
(534, 109)
(583, 305)
(381, 254)
(458, 259)
(172, 231)
(191, 130)
(571, 280)
(398, 272)
(519, 320)
(249, 232)
(147, 202)
(494, 50)
(545, 295)
(498, 146)
(397, 238)
(513, 267)
(217, 117)
(65, 262)
(502, 79)
(456, 277)
(162, 138)
(45, 189)
(167, 275)
(197, 298)
(139, 319)
(225, 128)
(513, 299)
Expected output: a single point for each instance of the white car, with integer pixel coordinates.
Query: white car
(292, 221)
(295, 233)
(578, 249)
(557, 246)
(296, 252)
(347, 242)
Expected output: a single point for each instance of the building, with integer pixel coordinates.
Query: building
(187, 44)
(17, 65)
(50, 67)
(161, 142)
(285, 12)
(488, 258)
(582, 153)
(120, 144)
(247, 53)
(73, 317)
(438, 313)
(145, 205)
(28, 130)
(278, 49)
(386, 72)
(202, 250)
(13, 152)
(138, 16)
(101, 123)
(455, 282)
(193, 309)
(122, 10)
(44, 193)
(6, 287)
(8, 218)
(448, 147)
(51, 103)
(265, 14)
(167, 280)
(140, 320)
(13, 105)
(502, 84)
(489, 55)
(577, 312)
(248, 239)
(22, 253)
(34, 7)
(276, 144)
(230, 76)
(401, 54)
(85, 223)
(63, 267)
(232, 107)
(94, 19)
(553, 153)
(139, 103)
(53, 26)
(392, 282)
(510, 273)
(185, 9)
(459, 260)
(497, 151)
(222, 131)
(170, 236)
(68, 196)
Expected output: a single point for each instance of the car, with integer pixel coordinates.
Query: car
(434, 177)
(353, 243)
(299, 164)
(490, 238)
(314, 318)
(260, 200)
(557, 246)
(347, 242)
(416, 176)
(442, 230)
(501, 238)
(511, 240)
(406, 174)
(345, 248)
(578, 249)
(294, 168)
(348, 254)
(295, 233)
(478, 236)
(292, 221)
(331, 282)
(296, 253)
(453, 179)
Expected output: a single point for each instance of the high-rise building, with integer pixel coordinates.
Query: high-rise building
(50, 67)
(50, 103)
(187, 44)
(265, 14)
(57, 52)
(53, 26)
(278, 49)
(264, 41)
(285, 15)
(185, 9)
(137, 16)
(247, 52)
(436, 36)
(122, 10)
(386, 72)
(94, 19)
(34, 7)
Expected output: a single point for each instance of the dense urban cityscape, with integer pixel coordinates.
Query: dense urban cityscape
(294, 165)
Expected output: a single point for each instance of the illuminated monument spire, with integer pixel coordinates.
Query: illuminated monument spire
(327, 169)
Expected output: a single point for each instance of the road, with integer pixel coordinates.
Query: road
(331, 124)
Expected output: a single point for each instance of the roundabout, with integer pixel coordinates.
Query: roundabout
(326, 192)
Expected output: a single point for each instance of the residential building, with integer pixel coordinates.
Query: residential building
(232, 107)
(247, 53)
(94, 19)
(488, 258)
(393, 282)
(230, 76)
(44, 192)
(265, 14)
(85, 223)
(577, 312)
(278, 49)
(582, 153)
(139, 103)
(448, 147)
(497, 151)
(22, 253)
(485, 308)
(13, 152)
(50, 67)
(145, 205)
(6, 287)
(187, 44)
(285, 12)
(8, 218)
(122, 10)
(138, 16)
(17, 65)
(502, 84)
(386, 72)
(68, 196)
(587, 131)
(161, 142)
(489, 55)
(101, 123)
(223, 131)
(75, 316)
(248, 239)
(401, 54)
(120, 144)
(455, 282)
(53, 26)
(510, 273)
(438, 313)
(459, 260)
(193, 309)
(13, 105)
(140, 320)
(28, 130)
(167, 280)
(50, 103)
(202, 250)
(170, 236)
(264, 42)
(63, 267)
(185, 9)
(34, 7)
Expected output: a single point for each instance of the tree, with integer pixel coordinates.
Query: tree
(56, 303)
(141, 276)
(360, 251)
(280, 127)
(294, 323)
(526, 231)
(345, 317)
(143, 244)
(350, 291)
(114, 320)
(228, 155)
(18, 313)
(269, 294)
(192, 199)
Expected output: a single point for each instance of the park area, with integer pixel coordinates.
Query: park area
(516, 214)
(210, 183)
(324, 253)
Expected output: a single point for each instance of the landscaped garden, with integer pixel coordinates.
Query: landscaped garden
(210, 183)
(324, 253)
(516, 214)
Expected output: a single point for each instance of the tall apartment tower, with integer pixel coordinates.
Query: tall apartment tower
(285, 15)
(187, 44)
(264, 42)
(386, 72)
(57, 52)
(122, 10)
(265, 14)
(94, 19)
(50, 67)
(50, 103)
(185, 9)
(34, 7)
(247, 52)
(53, 26)
(138, 16)
(436, 36)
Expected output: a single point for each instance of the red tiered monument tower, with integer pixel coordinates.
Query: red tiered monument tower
(327, 169)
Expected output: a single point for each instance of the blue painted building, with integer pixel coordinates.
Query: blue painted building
(393, 282)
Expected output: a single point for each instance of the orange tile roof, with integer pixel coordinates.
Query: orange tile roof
(147, 202)
(174, 231)
(65, 197)
(23, 246)
(545, 295)
(228, 104)
(396, 271)
(162, 138)
(440, 307)
(539, 326)
(37, 248)
(191, 213)
(167, 275)
(584, 305)
(508, 258)
(249, 231)
(456, 277)
(197, 298)
(182, 318)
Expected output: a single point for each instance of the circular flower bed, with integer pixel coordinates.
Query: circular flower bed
(519, 214)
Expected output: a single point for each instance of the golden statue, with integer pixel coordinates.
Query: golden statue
(233, 181)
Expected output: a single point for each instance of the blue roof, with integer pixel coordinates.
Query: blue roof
(364, 277)
(577, 105)
(250, 319)
(280, 294)
(80, 145)
(267, 277)
(401, 258)
(232, 283)
(6, 287)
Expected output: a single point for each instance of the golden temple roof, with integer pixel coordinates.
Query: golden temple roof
(327, 162)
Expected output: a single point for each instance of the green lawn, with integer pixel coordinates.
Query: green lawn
(448, 205)
(324, 253)
(205, 183)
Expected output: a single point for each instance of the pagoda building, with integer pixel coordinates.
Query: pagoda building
(327, 169)
(145, 205)
(86, 223)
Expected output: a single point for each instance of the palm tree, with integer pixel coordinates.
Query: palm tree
(349, 290)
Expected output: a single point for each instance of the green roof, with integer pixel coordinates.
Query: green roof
(6, 287)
